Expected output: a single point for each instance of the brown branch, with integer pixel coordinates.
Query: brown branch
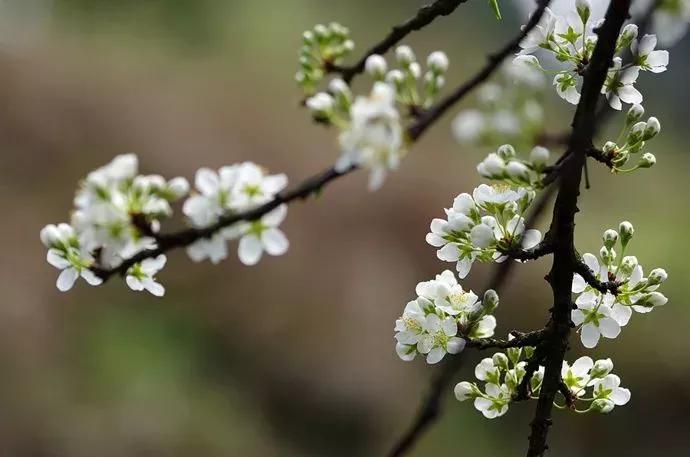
(519, 340)
(425, 15)
(167, 242)
(590, 278)
(563, 225)
(542, 249)
(495, 60)
(601, 156)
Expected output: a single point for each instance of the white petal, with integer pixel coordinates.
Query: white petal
(591, 261)
(609, 327)
(531, 238)
(448, 253)
(90, 277)
(155, 288)
(275, 217)
(579, 284)
(582, 366)
(455, 345)
(206, 181)
(55, 259)
(577, 316)
(249, 250)
(621, 314)
(435, 355)
(134, 283)
(620, 396)
(66, 279)
(630, 94)
(435, 240)
(463, 267)
(274, 241)
(589, 336)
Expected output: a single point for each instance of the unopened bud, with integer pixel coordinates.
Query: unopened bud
(610, 237)
(653, 128)
(626, 231)
(539, 155)
(628, 264)
(635, 113)
(506, 152)
(647, 160)
(404, 55)
(501, 361)
(437, 62)
(376, 66)
(601, 368)
(490, 301)
(657, 276)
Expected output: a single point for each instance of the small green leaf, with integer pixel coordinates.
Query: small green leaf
(497, 10)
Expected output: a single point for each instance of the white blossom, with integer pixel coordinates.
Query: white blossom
(141, 276)
(646, 57)
(263, 235)
(494, 403)
(439, 338)
(374, 137)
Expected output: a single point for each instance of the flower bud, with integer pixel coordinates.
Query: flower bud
(178, 187)
(321, 104)
(607, 255)
(376, 66)
(490, 301)
(50, 236)
(657, 276)
(657, 299)
(628, 264)
(626, 231)
(609, 147)
(464, 391)
(506, 152)
(517, 169)
(437, 62)
(627, 36)
(492, 166)
(601, 368)
(653, 128)
(395, 77)
(501, 361)
(339, 87)
(584, 9)
(647, 160)
(637, 132)
(415, 70)
(610, 237)
(308, 37)
(321, 31)
(404, 55)
(349, 46)
(635, 113)
(539, 155)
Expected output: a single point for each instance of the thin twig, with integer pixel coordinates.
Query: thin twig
(494, 61)
(519, 340)
(425, 15)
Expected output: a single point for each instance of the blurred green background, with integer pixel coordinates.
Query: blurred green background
(294, 357)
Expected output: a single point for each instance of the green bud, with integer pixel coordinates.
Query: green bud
(628, 264)
(626, 231)
(610, 237)
(610, 147)
(490, 301)
(601, 368)
(501, 361)
(506, 152)
(607, 255)
(657, 276)
(635, 113)
(602, 406)
(647, 160)
(653, 127)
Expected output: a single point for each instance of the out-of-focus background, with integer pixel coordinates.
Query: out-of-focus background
(294, 357)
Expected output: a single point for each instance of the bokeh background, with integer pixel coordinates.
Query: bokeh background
(294, 357)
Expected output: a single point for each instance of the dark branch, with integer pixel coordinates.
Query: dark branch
(567, 394)
(495, 60)
(590, 278)
(601, 156)
(520, 340)
(563, 224)
(542, 249)
(431, 407)
(424, 17)
(524, 390)
(167, 242)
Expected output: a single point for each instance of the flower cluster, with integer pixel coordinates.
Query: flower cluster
(118, 214)
(371, 127)
(571, 40)
(230, 190)
(588, 382)
(634, 137)
(484, 226)
(506, 167)
(322, 47)
(508, 111)
(603, 314)
(442, 315)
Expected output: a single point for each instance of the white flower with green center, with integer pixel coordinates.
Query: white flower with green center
(457, 301)
(487, 371)
(541, 35)
(646, 57)
(594, 318)
(263, 235)
(439, 338)
(608, 393)
(619, 85)
(65, 253)
(494, 403)
(374, 137)
(577, 376)
(213, 197)
(496, 195)
(142, 276)
(254, 187)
